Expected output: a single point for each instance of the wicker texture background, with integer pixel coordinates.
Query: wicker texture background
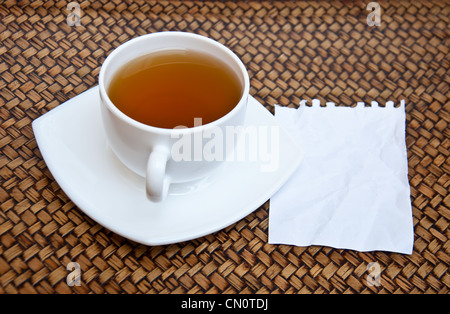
(293, 50)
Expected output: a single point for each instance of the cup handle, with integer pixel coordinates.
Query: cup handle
(156, 181)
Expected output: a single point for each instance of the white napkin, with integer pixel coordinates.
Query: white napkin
(351, 191)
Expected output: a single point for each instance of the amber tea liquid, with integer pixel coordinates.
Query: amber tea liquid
(170, 88)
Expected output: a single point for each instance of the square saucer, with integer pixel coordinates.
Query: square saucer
(73, 144)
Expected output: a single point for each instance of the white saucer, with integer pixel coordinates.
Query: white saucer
(73, 144)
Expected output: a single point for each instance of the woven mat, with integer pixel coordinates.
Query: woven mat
(293, 51)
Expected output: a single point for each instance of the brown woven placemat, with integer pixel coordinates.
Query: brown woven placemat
(293, 50)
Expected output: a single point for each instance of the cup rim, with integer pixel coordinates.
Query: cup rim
(106, 100)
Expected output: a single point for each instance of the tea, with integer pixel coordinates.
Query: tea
(170, 88)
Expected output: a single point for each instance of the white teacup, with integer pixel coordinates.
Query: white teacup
(147, 150)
